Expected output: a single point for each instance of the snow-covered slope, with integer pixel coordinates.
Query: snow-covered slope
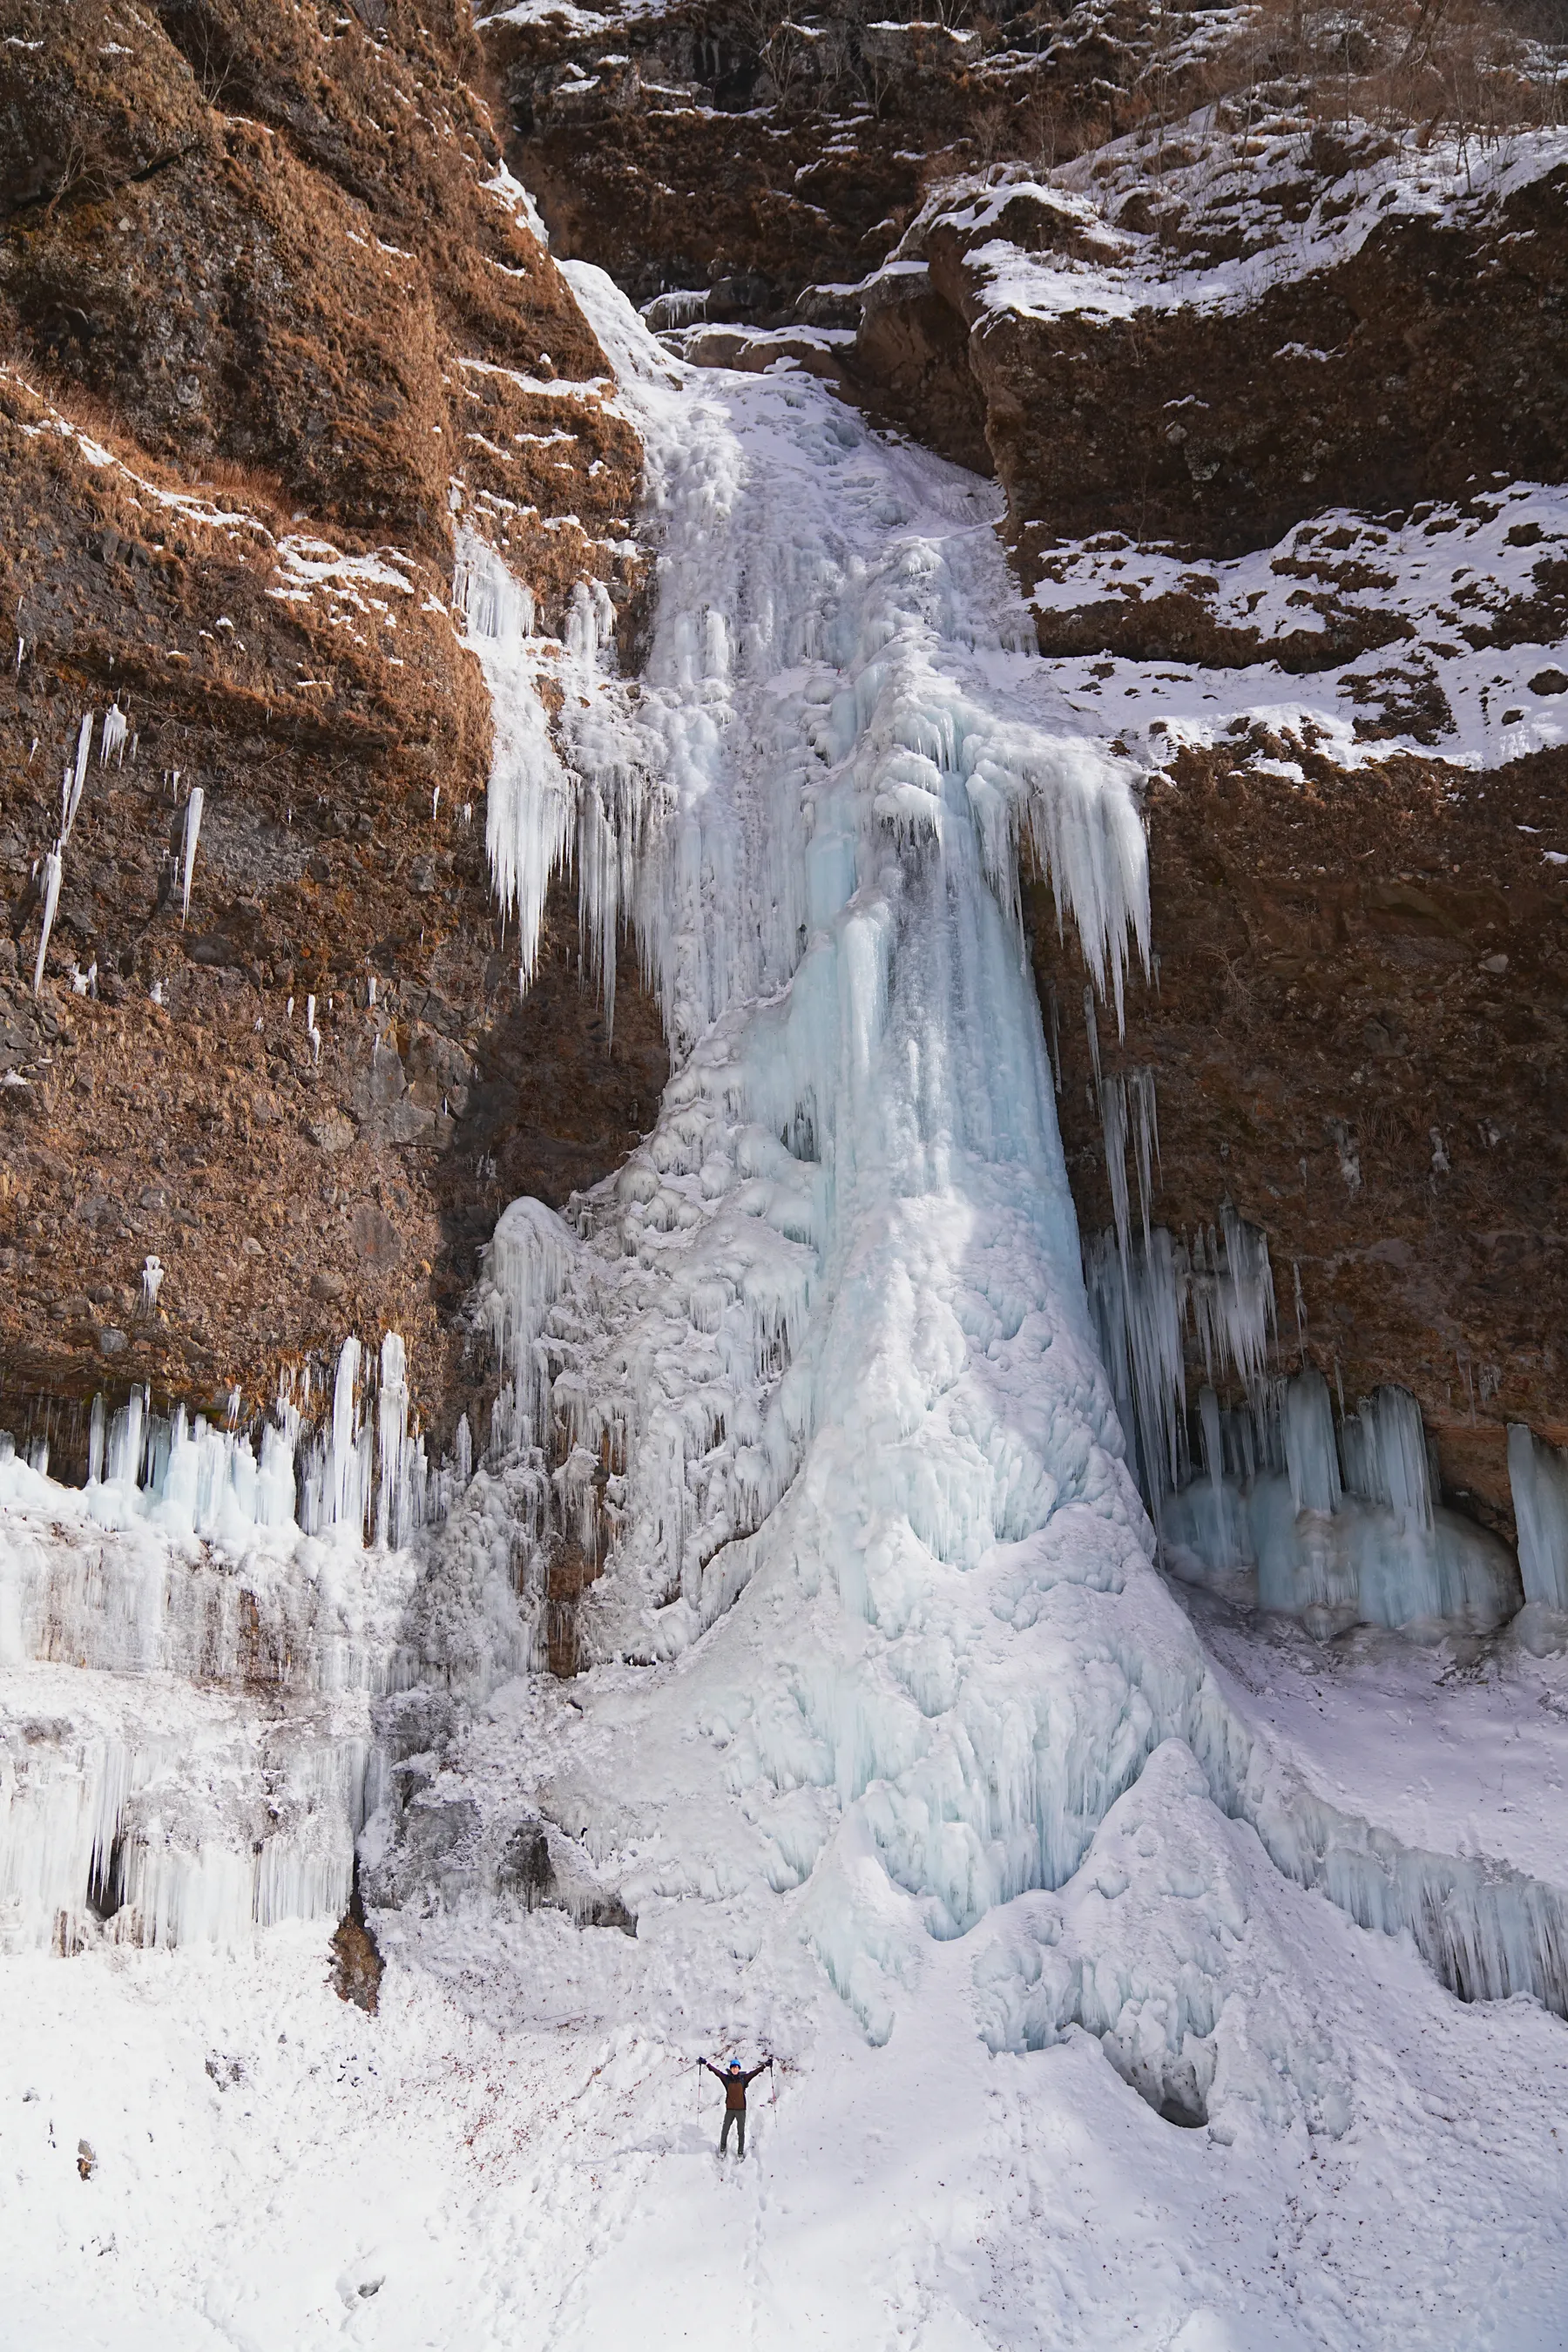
(1461, 609)
(895, 1748)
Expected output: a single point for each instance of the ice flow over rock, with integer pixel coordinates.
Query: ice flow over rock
(814, 1379)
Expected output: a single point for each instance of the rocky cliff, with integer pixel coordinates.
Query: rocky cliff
(1274, 390)
(1283, 496)
(280, 327)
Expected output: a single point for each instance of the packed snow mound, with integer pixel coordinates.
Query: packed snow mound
(1165, 1946)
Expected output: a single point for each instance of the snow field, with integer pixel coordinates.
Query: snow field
(1454, 1745)
(504, 2156)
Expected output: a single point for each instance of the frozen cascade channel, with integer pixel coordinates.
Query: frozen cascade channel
(186, 1673)
(882, 1654)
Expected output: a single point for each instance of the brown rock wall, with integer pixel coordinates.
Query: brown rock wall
(1358, 1031)
(274, 320)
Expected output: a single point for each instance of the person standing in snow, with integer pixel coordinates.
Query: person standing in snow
(735, 2081)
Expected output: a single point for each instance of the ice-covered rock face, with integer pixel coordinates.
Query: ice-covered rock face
(880, 1648)
(185, 1743)
(828, 1324)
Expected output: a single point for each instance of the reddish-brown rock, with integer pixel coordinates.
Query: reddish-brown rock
(274, 316)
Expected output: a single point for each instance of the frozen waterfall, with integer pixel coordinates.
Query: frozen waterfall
(805, 1437)
(201, 1629)
(808, 1397)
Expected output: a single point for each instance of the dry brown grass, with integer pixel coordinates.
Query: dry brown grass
(102, 419)
(1464, 69)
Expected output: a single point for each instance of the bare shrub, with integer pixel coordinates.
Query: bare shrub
(1462, 69)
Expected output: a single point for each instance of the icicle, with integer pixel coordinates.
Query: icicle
(1136, 1304)
(1113, 1127)
(1210, 1423)
(115, 729)
(311, 1031)
(1538, 1474)
(76, 778)
(1147, 1135)
(346, 1493)
(527, 1264)
(1053, 1019)
(391, 1435)
(1393, 1455)
(1233, 1296)
(1091, 1023)
(95, 1443)
(463, 1451)
(1310, 1456)
(152, 1283)
(52, 869)
(193, 831)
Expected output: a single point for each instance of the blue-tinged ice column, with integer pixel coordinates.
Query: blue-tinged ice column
(882, 1648)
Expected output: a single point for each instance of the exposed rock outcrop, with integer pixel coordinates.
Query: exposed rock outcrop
(767, 159)
(277, 321)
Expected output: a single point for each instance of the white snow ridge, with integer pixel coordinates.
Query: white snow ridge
(891, 1755)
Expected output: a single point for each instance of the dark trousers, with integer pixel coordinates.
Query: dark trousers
(736, 2115)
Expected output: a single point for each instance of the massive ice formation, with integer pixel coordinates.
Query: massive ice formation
(188, 1750)
(802, 1430)
(814, 1379)
(1339, 1521)
(206, 1762)
(1340, 1524)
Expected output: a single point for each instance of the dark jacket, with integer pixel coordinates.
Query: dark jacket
(735, 2084)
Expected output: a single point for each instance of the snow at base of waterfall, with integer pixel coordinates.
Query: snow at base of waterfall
(518, 2149)
(1457, 1744)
